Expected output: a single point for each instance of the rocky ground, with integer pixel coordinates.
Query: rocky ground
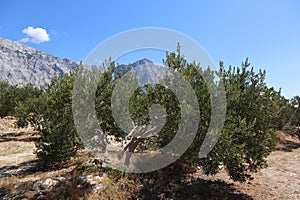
(21, 178)
(278, 181)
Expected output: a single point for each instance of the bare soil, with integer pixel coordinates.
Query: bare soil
(16, 145)
(279, 181)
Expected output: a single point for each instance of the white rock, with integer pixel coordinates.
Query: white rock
(47, 183)
(98, 187)
(40, 192)
(89, 177)
(37, 185)
(82, 179)
(61, 179)
(42, 197)
(93, 183)
(97, 178)
(55, 183)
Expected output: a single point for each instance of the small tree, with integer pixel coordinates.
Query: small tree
(17, 101)
(248, 135)
(59, 140)
(8, 99)
(252, 109)
(29, 106)
(295, 111)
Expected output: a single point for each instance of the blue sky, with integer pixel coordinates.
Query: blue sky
(268, 32)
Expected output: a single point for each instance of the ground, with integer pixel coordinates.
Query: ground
(279, 181)
(16, 145)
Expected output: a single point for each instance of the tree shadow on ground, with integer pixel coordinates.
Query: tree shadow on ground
(197, 189)
(32, 167)
(288, 146)
(172, 183)
(65, 189)
(207, 189)
(25, 189)
(17, 137)
(21, 169)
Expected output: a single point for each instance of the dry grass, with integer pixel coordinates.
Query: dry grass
(278, 181)
(15, 153)
(7, 123)
(22, 183)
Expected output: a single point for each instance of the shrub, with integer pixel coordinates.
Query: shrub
(59, 140)
(248, 136)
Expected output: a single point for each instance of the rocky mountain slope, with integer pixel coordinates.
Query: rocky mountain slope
(146, 71)
(20, 64)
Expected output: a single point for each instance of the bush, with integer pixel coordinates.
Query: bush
(253, 111)
(295, 111)
(59, 140)
(7, 100)
(30, 106)
(248, 136)
(19, 101)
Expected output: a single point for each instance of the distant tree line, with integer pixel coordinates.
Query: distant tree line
(14, 100)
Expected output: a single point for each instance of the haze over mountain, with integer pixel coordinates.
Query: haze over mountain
(21, 65)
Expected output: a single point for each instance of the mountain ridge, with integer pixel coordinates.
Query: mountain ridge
(21, 65)
(146, 71)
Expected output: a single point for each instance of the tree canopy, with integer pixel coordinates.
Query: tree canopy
(253, 112)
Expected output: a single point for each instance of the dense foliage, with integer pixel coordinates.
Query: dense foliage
(59, 140)
(294, 113)
(12, 96)
(248, 134)
(254, 112)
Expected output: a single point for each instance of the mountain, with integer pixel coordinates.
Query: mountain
(146, 71)
(20, 64)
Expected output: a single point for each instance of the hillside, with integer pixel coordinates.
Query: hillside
(20, 64)
(146, 70)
